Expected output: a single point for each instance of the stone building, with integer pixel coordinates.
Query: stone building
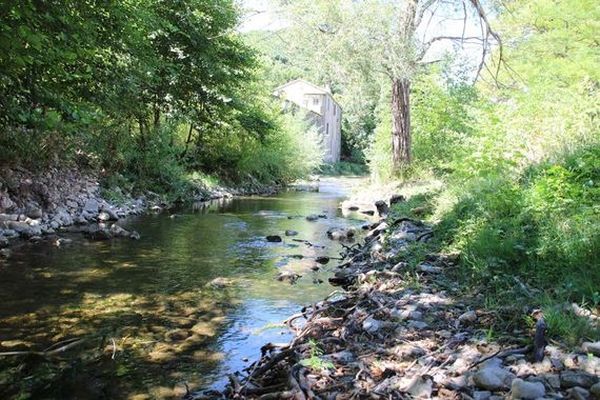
(322, 110)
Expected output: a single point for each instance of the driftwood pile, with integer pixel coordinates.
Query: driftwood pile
(403, 332)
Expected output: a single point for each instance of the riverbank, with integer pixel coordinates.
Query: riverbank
(407, 327)
(37, 204)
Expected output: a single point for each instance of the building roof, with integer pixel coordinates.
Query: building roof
(315, 89)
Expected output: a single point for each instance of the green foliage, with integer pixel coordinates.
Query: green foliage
(442, 125)
(147, 91)
(543, 226)
(343, 168)
(315, 362)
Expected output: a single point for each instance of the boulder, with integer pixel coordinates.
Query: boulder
(291, 232)
(312, 217)
(527, 390)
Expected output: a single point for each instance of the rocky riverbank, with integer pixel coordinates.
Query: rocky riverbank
(34, 205)
(403, 329)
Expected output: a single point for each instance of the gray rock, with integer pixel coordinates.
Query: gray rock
(468, 317)
(91, 206)
(430, 269)
(527, 390)
(493, 378)
(274, 239)
(482, 395)
(418, 325)
(24, 229)
(5, 253)
(103, 216)
(5, 202)
(8, 217)
(578, 393)
(291, 232)
(288, 276)
(570, 379)
(595, 390)
(593, 348)
(371, 325)
(312, 217)
(34, 213)
(112, 214)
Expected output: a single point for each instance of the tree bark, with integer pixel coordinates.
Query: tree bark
(401, 132)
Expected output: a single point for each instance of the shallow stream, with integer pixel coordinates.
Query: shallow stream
(148, 318)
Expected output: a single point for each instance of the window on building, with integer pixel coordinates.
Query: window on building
(334, 109)
(327, 131)
(315, 101)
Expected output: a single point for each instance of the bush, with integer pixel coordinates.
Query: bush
(544, 226)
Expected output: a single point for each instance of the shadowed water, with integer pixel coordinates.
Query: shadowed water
(150, 320)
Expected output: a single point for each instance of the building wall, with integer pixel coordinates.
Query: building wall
(324, 113)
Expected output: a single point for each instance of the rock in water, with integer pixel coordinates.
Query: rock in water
(382, 208)
(288, 276)
(527, 390)
(322, 260)
(291, 232)
(312, 217)
(274, 239)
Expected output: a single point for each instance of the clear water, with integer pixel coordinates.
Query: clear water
(150, 320)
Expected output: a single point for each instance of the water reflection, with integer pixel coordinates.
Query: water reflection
(151, 313)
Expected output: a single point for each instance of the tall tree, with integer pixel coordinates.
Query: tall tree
(391, 37)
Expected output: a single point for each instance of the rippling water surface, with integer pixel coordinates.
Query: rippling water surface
(148, 319)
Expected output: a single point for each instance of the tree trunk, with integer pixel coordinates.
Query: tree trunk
(401, 123)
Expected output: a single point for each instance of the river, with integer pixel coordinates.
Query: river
(141, 318)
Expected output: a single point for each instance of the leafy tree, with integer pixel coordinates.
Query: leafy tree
(386, 38)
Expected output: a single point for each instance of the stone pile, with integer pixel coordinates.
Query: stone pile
(402, 331)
